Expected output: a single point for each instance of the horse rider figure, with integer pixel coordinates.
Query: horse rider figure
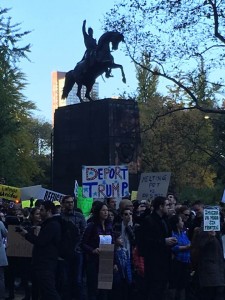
(89, 57)
(91, 45)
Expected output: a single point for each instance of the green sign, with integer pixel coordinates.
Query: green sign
(85, 204)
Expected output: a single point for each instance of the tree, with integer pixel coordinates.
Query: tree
(177, 35)
(41, 132)
(183, 142)
(17, 146)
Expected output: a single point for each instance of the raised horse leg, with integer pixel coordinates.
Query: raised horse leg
(88, 90)
(79, 92)
(116, 66)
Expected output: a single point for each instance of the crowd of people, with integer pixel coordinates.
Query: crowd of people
(161, 251)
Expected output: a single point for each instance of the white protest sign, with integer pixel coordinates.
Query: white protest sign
(30, 191)
(153, 184)
(50, 195)
(211, 219)
(105, 181)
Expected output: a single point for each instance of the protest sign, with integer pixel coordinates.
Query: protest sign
(85, 204)
(133, 195)
(105, 181)
(49, 195)
(30, 192)
(17, 245)
(153, 184)
(9, 192)
(211, 219)
(105, 274)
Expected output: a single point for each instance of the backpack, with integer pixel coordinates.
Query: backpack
(69, 240)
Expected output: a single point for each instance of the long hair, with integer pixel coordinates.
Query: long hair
(96, 211)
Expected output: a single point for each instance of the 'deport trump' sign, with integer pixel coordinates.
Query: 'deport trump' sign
(105, 181)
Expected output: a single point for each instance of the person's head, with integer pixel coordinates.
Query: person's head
(161, 205)
(198, 208)
(185, 213)
(68, 203)
(19, 214)
(176, 223)
(100, 212)
(172, 200)
(111, 215)
(139, 207)
(126, 215)
(2, 216)
(35, 216)
(111, 203)
(118, 240)
(125, 203)
(47, 210)
(38, 202)
(58, 209)
(90, 31)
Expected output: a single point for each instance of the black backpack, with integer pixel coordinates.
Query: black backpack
(69, 240)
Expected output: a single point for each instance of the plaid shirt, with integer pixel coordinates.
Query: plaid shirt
(182, 240)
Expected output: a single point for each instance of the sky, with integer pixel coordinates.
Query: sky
(57, 45)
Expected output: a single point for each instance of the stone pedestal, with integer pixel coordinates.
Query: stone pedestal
(102, 132)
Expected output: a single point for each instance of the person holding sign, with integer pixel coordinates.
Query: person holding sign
(99, 231)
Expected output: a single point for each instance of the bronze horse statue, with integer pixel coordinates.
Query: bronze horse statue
(101, 62)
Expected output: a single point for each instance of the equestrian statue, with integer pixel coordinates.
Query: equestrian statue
(97, 60)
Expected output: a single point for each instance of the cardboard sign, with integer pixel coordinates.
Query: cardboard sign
(9, 192)
(17, 245)
(49, 195)
(153, 184)
(211, 219)
(105, 274)
(105, 181)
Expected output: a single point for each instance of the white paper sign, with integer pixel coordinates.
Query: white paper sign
(105, 239)
(50, 195)
(153, 184)
(211, 219)
(105, 181)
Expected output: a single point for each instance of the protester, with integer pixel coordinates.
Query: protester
(207, 256)
(111, 215)
(100, 226)
(180, 274)
(46, 251)
(156, 246)
(125, 229)
(122, 276)
(32, 224)
(198, 209)
(73, 261)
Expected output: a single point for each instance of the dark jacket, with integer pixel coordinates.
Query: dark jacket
(46, 244)
(91, 239)
(210, 266)
(79, 221)
(157, 256)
